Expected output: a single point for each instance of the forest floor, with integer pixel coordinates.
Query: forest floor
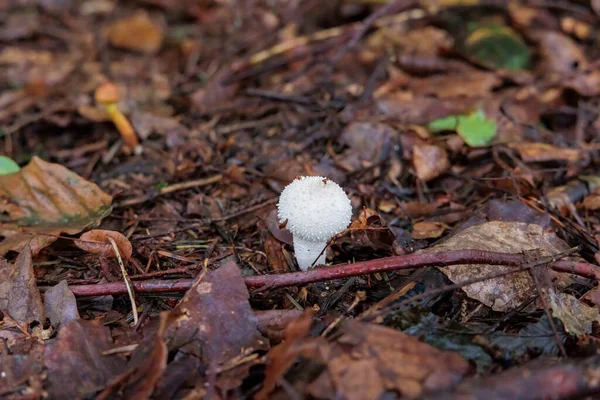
(142, 255)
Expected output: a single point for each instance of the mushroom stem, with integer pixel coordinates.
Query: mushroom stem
(307, 252)
(123, 126)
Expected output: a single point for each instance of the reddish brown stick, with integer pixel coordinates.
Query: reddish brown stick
(410, 261)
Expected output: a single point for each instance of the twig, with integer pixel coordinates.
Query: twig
(170, 189)
(128, 283)
(411, 261)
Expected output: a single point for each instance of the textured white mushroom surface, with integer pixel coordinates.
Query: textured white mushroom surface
(315, 208)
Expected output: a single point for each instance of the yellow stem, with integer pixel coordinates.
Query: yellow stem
(123, 126)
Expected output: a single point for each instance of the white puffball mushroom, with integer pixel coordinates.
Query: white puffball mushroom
(314, 209)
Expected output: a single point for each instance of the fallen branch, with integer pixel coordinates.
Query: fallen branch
(411, 261)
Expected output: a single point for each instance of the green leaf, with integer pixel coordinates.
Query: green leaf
(443, 124)
(8, 166)
(475, 129)
(498, 46)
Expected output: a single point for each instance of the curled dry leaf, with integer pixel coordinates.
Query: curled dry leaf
(430, 161)
(44, 200)
(510, 291)
(96, 242)
(542, 152)
(137, 32)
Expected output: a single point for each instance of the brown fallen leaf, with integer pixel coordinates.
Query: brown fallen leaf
(96, 242)
(74, 361)
(542, 152)
(592, 201)
(22, 373)
(60, 304)
(363, 362)
(560, 54)
(214, 325)
(428, 230)
(430, 161)
(146, 367)
(19, 296)
(43, 200)
(508, 292)
(576, 316)
(370, 140)
(137, 32)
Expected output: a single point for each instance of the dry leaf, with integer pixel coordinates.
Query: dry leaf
(430, 161)
(364, 362)
(542, 152)
(576, 316)
(74, 361)
(560, 53)
(103, 247)
(508, 292)
(19, 295)
(428, 230)
(44, 200)
(137, 32)
(60, 304)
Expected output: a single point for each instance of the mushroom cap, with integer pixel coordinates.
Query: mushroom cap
(315, 208)
(107, 93)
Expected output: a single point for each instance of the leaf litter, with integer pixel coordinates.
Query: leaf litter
(457, 130)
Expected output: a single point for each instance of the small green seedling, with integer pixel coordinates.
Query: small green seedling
(8, 166)
(475, 129)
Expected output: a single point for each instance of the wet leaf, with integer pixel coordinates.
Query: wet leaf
(8, 166)
(444, 336)
(44, 200)
(537, 337)
(430, 161)
(137, 32)
(102, 245)
(508, 292)
(19, 295)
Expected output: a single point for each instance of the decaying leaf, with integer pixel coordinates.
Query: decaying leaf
(215, 324)
(576, 316)
(508, 292)
(367, 360)
(537, 337)
(96, 242)
(19, 295)
(75, 363)
(44, 200)
(430, 161)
